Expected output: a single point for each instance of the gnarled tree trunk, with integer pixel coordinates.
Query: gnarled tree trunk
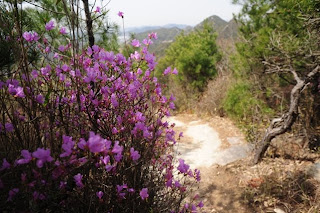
(282, 124)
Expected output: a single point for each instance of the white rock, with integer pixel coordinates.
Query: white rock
(277, 210)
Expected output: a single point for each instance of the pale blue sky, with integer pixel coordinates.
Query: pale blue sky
(162, 12)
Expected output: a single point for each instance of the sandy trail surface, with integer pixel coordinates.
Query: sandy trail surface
(217, 147)
(209, 142)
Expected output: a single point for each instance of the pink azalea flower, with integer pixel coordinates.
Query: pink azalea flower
(65, 67)
(12, 193)
(167, 71)
(153, 35)
(2, 84)
(171, 105)
(180, 134)
(116, 148)
(193, 208)
(8, 127)
(139, 71)
(62, 48)
(23, 177)
(35, 195)
(135, 43)
(47, 50)
(120, 14)
(78, 180)
(135, 55)
(105, 159)
(67, 146)
(40, 99)
(118, 151)
(26, 157)
(20, 92)
(96, 48)
(62, 185)
(63, 31)
(27, 36)
(5, 165)
(89, 51)
(183, 168)
(56, 55)
(144, 193)
(13, 82)
(200, 204)
(169, 182)
(97, 10)
(120, 188)
(30, 36)
(197, 174)
(62, 77)
(134, 154)
(43, 155)
(175, 71)
(49, 26)
(114, 130)
(46, 70)
(97, 144)
(172, 98)
(68, 84)
(147, 42)
(114, 101)
(82, 143)
(99, 194)
(35, 36)
(109, 168)
(16, 91)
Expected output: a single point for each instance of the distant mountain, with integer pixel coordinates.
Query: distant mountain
(227, 33)
(230, 31)
(165, 37)
(225, 30)
(150, 28)
(217, 23)
(180, 26)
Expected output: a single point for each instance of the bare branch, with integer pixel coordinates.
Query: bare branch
(46, 9)
(282, 124)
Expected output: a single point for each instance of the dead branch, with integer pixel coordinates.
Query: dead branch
(284, 123)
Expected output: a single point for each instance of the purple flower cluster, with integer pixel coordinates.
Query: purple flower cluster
(100, 129)
(31, 36)
(50, 25)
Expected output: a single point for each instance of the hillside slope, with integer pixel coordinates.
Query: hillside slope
(227, 33)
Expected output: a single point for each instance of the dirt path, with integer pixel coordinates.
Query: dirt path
(217, 147)
(210, 144)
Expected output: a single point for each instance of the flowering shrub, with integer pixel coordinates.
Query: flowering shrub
(88, 133)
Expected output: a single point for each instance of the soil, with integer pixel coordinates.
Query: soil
(218, 148)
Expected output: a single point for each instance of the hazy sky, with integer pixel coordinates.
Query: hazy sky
(162, 12)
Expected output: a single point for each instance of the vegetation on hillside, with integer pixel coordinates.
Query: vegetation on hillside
(280, 51)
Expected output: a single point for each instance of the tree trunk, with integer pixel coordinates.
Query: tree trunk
(88, 22)
(281, 125)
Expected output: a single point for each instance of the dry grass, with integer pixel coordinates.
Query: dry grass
(212, 99)
(296, 192)
(186, 97)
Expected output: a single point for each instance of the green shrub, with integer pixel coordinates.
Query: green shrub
(241, 103)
